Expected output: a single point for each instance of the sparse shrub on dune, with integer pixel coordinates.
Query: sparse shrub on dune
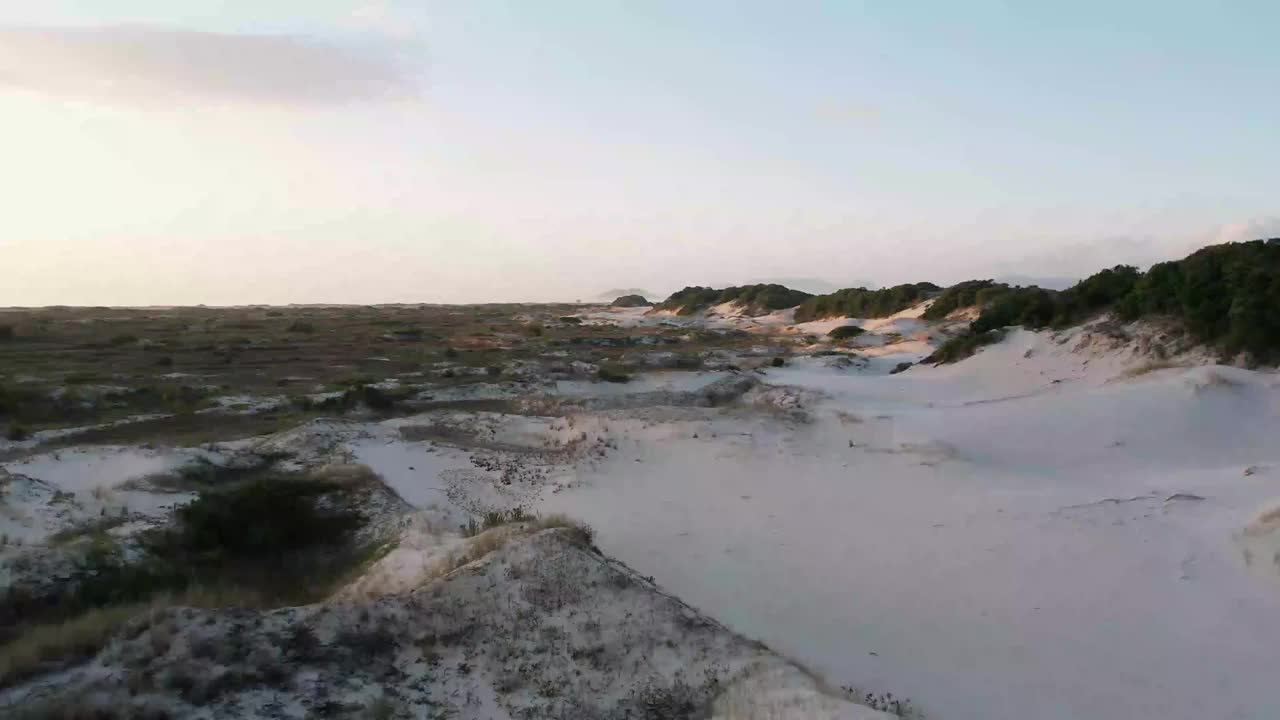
(963, 346)
(844, 332)
(74, 640)
(613, 372)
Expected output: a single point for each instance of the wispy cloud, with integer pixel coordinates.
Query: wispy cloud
(153, 67)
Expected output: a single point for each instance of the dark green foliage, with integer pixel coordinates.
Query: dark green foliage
(631, 301)
(6, 332)
(960, 295)
(845, 332)
(963, 345)
(778, 362)
(301, 326)
(16, 432)
(613, 372)
(1030, 306)
(1095, 293)
(33, 406)
(864, 303)
(756, 298)
(119, 340)
(570, 320)
(1228, 295)
(262, 518)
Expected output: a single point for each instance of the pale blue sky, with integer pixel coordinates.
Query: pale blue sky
(365, 151)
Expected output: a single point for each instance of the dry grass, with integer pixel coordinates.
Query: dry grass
(49, 646)
(1149, 367)
(496, 538)
(42, 648)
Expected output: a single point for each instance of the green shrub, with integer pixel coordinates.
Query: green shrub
(301, 326)
(845, 332)
(963, 346)
(960, 295)
(267, 517)
(864, 303)
(16, 432)
(613, 372)
(125, 339)
(778, 362)
(1224, 294)
(6, 332)
(756, 298)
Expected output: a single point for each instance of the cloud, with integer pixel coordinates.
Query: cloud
(378, 16)
(1254, 229)
(161, 68)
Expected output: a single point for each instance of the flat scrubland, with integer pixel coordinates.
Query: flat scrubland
(582, 511)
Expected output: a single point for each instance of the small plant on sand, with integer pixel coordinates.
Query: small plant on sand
(613, 372)
(885, 702)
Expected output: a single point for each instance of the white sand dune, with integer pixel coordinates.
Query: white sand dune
(1027, 534)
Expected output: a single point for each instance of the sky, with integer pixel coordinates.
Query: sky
(362, 151)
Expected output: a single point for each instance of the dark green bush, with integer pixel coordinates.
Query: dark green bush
(1228, 295)
(963, 346)
(864, 303)
(845, 332)
(16, 432)
(613, 372)
(6, 332)
(301, 326)
(960, 295)
(267, 517)
(756, 298)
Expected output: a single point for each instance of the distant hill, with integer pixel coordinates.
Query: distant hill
(608, 295)
(627, 301)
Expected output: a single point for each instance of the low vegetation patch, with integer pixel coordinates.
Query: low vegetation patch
(613, 372)
(864, 303)
(278, 540)
(963, 346)
(46, 647)
(757, 299)
(844, 332)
